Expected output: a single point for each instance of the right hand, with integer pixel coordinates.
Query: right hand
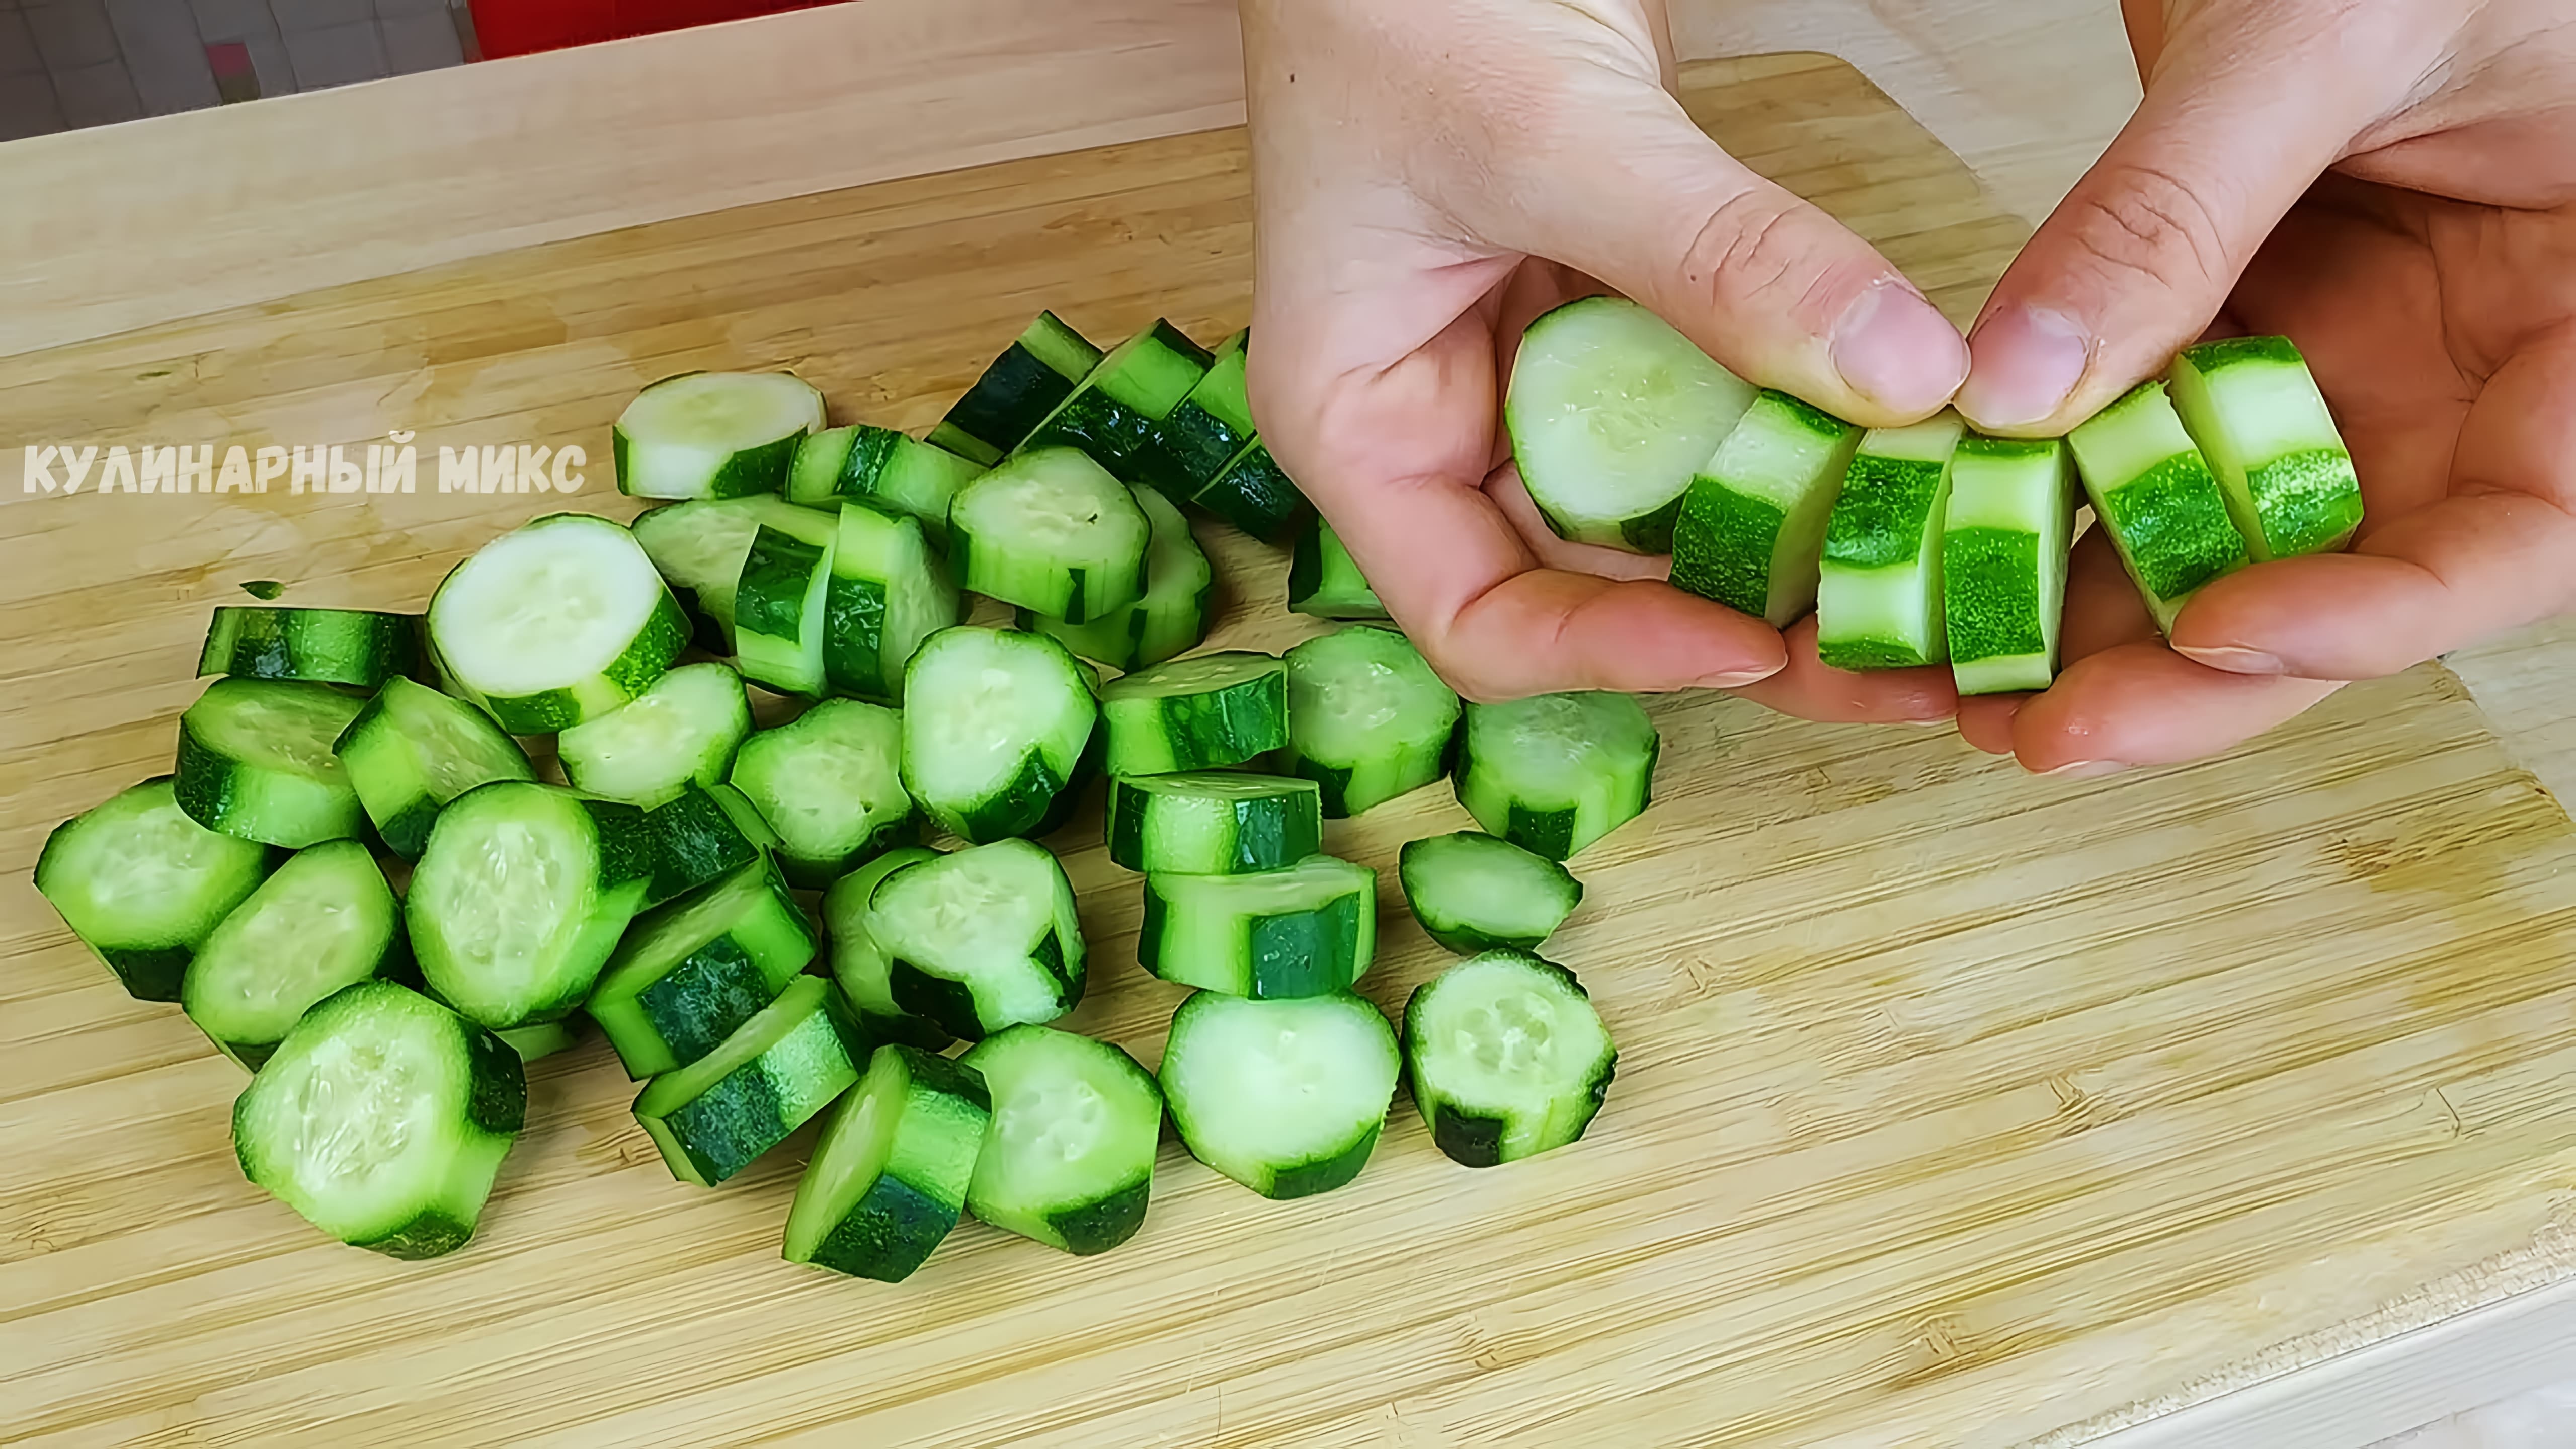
(1431, 176)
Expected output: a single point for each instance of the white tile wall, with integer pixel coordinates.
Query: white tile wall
(71, 34)
(336, 55)
(164, 54)
(97, 95)
(415, 43)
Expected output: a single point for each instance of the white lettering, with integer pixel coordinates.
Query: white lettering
(532, 469)
(570, 455)
(312, 467)
(272, 464)
(346, 476)
(37, 474)
(116, 475)
(501, 470)
(76, 466)
(235, 478)
(459, 472)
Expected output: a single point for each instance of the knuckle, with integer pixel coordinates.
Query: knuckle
(1765, 252)
(2142, 221)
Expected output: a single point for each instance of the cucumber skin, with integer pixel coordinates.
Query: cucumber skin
(1548, 833)
(1037, 802)
(1471, 1140)
(753, 470)
(1733, 573)
(1465, 940)
(1179, 733)
(741, 1116)
(665, 633)
(153, 973)
(1077, 608)
(1990, 587)
(625, 865)
(206, 782)
(2177, 497)
(1292, 954)
(408, 831)
(264, 646)
(1306, 581)
(1254, 495)
(950, 1004)
(894, 1227)
(694, 843)
(1264, 839)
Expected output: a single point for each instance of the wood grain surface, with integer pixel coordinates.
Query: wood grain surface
(1954, 1108)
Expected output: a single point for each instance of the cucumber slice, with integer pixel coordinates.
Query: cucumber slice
(1323, 583)
(1474, 893)
(1173, 617)
(716, 1116)
(1751, 531)
(683, 730)
(860, 961)
(1069, 1157)
(2264, 429)
(142, 884)
(699, 548)
(997, 731)
(713, 434)
(1368, 720)
(888, 592)
(521, 896)
(1203, 431)
(325, 920)
(545, 1039)
(1506, 1056)
(326, 646)
(696, 839)
(1556, 772)
(382, 1119)
(830, 783)
(1115, 414)
(1213, 822)
(690, 974)
(1254, 494)
(781, 603)
(882, 467)
(981, 939)
(413, 749)
(1308, 930)
(890, 1172)
(1018, 389)
(556, 621)
(1878, 599)
(1610, 411)
(1284, 1097)
(2004, 541)
(2156, 498)
(1199, 713)
(255, 761)
(1051, 531)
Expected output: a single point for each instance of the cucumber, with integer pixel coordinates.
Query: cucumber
(860, 961)
(699, 547)
(1068, 1159)
(891, 1170)
(1610, 412)
(545, 1039)
(2155, 496)
(1473, 892)
(1368, 720)
(2004, 542)
(1213, 822)
(690, 974)
(1175, 613)
(327, 646)
(520, 897)
(1284, 1097)
(325, 920)
(556, 621)
(255, 761)
(1254, 494)
(1323, 583)
(981, 939)
(2264, 429)
(888, 592)
(1506, 1057)
(781, 603)
(142, 884)
(1114, 415)
(830, 782)
(411, 749)
(682, 730)
(713, 434)
(1203, 431)
(1305, 931)
(697, 839)
(1878, 597)
(1198, 713)
(882, 467)
(998, 728)
(1018, 389)
(717, 1115)
(382, 1119)
(1751, 531)
(1051, 531)
(1556, 772)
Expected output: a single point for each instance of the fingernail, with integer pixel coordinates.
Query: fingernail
(1736, 680)
(2027, 359)
(2085, 769)
(1933, 723)
(1895, 349)
(2233, 659)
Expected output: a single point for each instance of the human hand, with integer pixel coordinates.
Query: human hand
(1433, 175)
(2431, 283)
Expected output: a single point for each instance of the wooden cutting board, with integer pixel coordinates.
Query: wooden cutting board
(1955, 1107)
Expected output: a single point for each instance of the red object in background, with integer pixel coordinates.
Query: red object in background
(523, 27)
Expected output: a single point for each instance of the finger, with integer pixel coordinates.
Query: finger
(1505, 487)
(1986, 721)
(1809, 688)
(2101, 611)
(2143, 704)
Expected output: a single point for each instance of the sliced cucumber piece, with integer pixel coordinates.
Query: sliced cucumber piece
(545, 1039)
(1556, 772)
(326, 646)
(1018, 389)
(1173, 617)
(255, 761)
(1751, 532)
(716, 1116)
(997, 731)
(1323, 583)
(1198, 713)
(2264, 429)
(413, 749)
(2004, 541)
(556, 621)
(142, 884)
(1051, 531)
(1368, 720)
(1114, 415)
(1506, 1057)
(690, 974)
(1285, 1097)
(1068, 1159)
(888, 592)
(882, 467)
(682, 730)
(699, 548)
(2155, 496)
(981, 939)
(1610, 411)
(830, 782)
(1878, 600)
(860, 961)
(781, 603)
(1203, 431)
(325, 920)
(1213, 822)
(713, 434)
(891, 1170)
(1254, 494)
(382, 1118)
(1474, 893)
(1305, 931)
(697, 839)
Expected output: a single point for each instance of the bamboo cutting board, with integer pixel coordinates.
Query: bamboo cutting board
(1954, 1107)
